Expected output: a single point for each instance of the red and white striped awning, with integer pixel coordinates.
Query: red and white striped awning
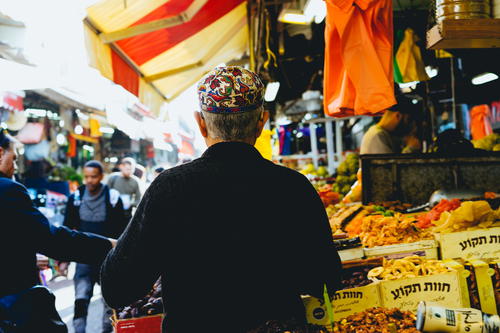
(157, 48)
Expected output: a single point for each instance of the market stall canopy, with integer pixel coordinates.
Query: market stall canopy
(156, 49)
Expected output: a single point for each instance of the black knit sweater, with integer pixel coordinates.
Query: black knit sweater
(235, 239)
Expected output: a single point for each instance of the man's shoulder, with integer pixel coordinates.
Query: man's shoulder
(9, 185)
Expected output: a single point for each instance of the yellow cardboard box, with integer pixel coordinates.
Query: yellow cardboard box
(463, 274)
(315, 311)
(345, 302)
(484, 275)
(475, 244)
(405, 294)
(349, 301)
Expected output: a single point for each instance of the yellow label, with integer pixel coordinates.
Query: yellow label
(485, 287)
(405, 294)
(315, 311)
(476, 244)
(349, 301)
(345, 303)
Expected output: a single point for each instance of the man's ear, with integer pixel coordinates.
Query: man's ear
(2, 152)
(262, 121)
(201, 123)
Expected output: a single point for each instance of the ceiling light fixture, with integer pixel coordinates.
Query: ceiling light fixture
(294, 16)
(271, 91)
(315, 9)
(484, 78)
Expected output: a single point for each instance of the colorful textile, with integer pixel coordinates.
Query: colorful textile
(231, 89)
(409, 59)
(480, 125)
(358, 76)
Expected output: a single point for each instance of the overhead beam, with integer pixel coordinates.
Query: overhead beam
(144, 28)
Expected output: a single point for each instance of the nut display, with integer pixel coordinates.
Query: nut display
(378, 320)
(151, 304)
(408, 267)
(378, 230)
(471, 215)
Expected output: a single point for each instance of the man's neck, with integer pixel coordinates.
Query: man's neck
(210, 142)
(96, 191)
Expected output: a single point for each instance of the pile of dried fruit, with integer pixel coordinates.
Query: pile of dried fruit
(355, 277)
(151, 304)
(408, 267)
(378, 320)
(378, 230)
(425, 220)
(469, 216)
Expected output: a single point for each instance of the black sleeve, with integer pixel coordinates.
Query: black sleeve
(129, 271)
(318, 246)
(59, 243)
(119, 219)
(71, 215)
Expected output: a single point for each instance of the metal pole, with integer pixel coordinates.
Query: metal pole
(314, 144)
(329, 146)
(338, 140)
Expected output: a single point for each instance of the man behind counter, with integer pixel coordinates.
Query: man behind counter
(393, 131)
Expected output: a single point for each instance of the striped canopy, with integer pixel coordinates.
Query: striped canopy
(157, 48)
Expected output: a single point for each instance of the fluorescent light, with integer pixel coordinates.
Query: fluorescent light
(113, 159)
(412, 85)
(483, 78)
(271, 91)
(107, 130)
(61, 123)
(36, 113)
(431, 71)
(414, 101)
(315, 9)
(294, 16)
(78, 129)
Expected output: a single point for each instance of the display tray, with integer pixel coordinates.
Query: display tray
(475, 244)
(426, 248)
(351, 254)
(148, 324)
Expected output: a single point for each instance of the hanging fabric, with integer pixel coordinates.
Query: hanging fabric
(480, 124)
(409, 59)
(358, 75)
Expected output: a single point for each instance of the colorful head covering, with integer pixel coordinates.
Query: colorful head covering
(231, 89)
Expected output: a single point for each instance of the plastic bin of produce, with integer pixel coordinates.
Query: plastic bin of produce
(426, 248)
(351, 254)
(474, 244)
(149, 324)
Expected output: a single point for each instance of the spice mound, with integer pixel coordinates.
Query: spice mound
(378, 320)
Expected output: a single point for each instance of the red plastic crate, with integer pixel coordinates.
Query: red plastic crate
(150, 324)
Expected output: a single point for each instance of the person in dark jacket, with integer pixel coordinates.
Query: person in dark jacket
(235, 238)
(24, 232)
(98, 209)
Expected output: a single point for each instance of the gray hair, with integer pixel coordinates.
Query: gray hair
(232, 127)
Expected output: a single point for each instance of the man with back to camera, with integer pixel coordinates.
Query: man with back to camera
(392, 132)
(94, 208)
(127, 184)
(25, 231)
(232, 253)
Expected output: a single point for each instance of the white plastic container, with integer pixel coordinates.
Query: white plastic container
(426, 248)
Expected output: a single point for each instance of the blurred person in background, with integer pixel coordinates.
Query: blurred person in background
(232, 241)
(94, 208)
(127, 184)
(26, 306)
(394, 133)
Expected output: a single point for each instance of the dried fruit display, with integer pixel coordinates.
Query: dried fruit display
(378, 320)
(470, 215)
(425, 220)
(396, 205)
(355, 277)
(151, 304)
(378, 230)
(408, 267)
